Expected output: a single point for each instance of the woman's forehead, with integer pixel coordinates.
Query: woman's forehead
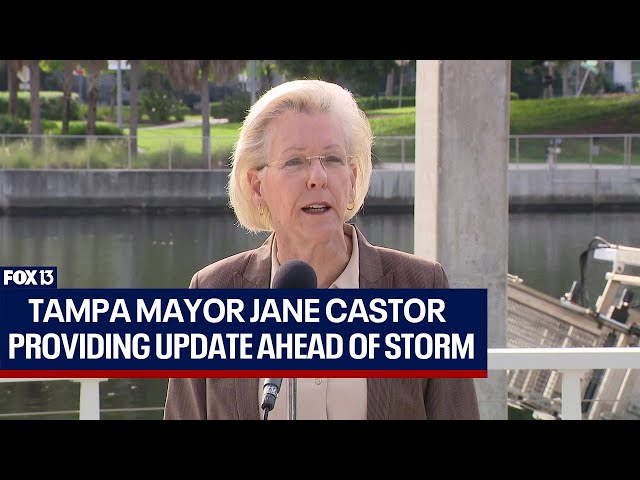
(300, 130)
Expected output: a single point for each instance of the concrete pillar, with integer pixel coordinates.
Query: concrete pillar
(461, 194)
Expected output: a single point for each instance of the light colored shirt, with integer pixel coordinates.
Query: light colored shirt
(325, 398)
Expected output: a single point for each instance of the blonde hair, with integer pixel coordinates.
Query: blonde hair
(251, 149)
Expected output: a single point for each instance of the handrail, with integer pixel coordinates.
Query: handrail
(571, 363)
(401, 152)
(89, 393)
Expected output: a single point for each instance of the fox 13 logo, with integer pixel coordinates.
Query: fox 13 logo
(29, 277)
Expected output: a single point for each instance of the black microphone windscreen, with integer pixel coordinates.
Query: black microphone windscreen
(270, 390)
(295, 274)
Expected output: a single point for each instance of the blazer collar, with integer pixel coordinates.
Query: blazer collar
(257, 273)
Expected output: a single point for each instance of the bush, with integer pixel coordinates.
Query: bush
(373, 103)
(23, 107)
(12, 126)
(234, 107)
(101, 129)
(50, 106)
(161, 106)
(80, 129)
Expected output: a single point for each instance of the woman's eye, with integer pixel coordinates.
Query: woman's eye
(334, 160)
(293, 162)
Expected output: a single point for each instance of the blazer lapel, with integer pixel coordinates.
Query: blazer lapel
(372, 274)
(247, 398)
(257, 274)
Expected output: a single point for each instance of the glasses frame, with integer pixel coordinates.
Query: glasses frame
(308, 159)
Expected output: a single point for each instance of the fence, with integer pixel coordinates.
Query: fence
(609, 149)
(179, 152)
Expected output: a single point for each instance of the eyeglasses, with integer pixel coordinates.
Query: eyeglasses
(299, 164)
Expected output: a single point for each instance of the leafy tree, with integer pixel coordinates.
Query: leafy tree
(363, 77)
(67, 85)
(525, 78)
(13, 66)
(328, 70)
(134, 96)
(194, 75)
(94, 68)
(34, 84)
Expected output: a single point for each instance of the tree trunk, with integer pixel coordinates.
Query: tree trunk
(94, 76)
(565, 80)
(401, 86)
(12, 86)
(67, 86)
(388, 91)
(134, 75)
(34, 82)
(205, 108)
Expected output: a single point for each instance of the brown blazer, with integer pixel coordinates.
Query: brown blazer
(387, 398)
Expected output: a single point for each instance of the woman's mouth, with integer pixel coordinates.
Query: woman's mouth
(316, 208)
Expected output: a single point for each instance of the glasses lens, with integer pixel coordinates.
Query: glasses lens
(294, 164)
(298, 164)
(333, 161)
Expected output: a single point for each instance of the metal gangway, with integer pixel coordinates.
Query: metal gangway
(538, 320)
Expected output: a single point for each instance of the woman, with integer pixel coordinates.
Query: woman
(301, 170)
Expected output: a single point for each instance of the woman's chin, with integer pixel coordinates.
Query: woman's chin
(320, 229)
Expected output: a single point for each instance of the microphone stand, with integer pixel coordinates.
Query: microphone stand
(293, 400)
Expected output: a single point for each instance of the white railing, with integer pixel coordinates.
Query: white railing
(609, 148)
(180, 152)
(89, 393)
(570, 363)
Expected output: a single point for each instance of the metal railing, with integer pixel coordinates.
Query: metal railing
(89, 393)
(612, 149)
(180, 152)
(570, 363)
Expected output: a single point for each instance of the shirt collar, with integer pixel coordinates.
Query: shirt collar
(350, 276)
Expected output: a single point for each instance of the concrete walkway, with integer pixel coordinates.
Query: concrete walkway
(187, 123)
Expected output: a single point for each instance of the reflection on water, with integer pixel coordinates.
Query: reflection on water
(164, 251)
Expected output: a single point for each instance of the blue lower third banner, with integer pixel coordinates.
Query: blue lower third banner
(124, 333)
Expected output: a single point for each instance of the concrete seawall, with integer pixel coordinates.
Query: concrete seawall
(531, 188)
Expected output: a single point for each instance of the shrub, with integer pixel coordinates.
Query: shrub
(374, 103)
(50, 106)
(10, 125)
(160, 106)
(235, 106)
(80, 129)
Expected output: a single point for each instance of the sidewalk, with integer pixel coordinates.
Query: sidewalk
(187, 123)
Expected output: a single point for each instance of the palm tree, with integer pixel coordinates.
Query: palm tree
(94, 67)
(67, 86)
(13, 66)
(134, 94)
(34, 83)
(194, 75)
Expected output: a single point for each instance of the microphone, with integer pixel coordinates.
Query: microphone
(290, 274)
(295, 274)
(270, 391)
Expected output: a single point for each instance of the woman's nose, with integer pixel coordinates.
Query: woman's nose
(316, 174)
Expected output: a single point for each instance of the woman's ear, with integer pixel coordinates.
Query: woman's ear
(354, 175)
(255, 182)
